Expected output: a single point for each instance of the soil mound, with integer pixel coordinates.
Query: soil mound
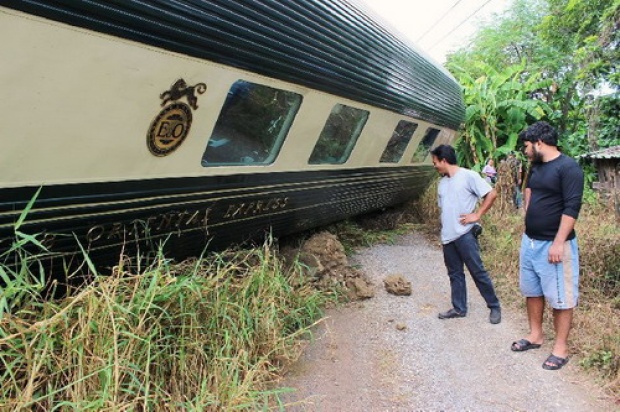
(322, 257)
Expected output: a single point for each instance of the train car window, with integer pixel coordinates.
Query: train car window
(398, 142)
(339, 135)
(424, 147)
(252, 125)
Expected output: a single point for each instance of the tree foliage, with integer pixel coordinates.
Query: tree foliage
(543, 59)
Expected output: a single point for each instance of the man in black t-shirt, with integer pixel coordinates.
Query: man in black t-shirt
(549, 260)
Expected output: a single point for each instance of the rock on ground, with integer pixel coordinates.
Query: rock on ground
(392, 353)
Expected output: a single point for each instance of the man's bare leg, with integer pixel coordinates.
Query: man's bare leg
(535, 309)
(562, 320)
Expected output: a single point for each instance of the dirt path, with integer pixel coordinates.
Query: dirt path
(361, 358)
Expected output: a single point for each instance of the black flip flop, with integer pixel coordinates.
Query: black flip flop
(522, 345)
(555, 362)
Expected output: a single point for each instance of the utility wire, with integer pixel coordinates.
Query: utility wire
(437, 22)
(460, 24)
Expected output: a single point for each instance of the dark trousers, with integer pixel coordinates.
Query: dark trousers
(466, 251)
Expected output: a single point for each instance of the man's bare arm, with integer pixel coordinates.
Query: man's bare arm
(487, 202)
(526, 198)
(556, 251)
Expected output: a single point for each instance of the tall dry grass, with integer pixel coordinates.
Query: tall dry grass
(202, 336)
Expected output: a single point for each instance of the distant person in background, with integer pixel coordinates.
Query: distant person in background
(549, 258)
(489, 172)
(459, 191)
(516, 170)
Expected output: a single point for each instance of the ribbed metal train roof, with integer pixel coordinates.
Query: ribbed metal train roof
(330, 45)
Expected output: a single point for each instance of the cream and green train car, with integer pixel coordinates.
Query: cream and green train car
(204, 122)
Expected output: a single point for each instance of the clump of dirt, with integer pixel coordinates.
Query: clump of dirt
(322, 258)
(397, 285)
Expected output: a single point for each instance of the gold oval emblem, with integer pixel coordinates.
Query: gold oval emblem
(169, 129)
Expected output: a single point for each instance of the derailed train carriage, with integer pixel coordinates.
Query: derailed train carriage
(198, 122)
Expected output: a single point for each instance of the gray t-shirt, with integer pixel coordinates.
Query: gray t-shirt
(459, 195)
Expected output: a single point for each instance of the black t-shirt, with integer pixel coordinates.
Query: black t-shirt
(556, 190)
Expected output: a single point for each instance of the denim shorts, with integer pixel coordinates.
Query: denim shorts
(557, 282)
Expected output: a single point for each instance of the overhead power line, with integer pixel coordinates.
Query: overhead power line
(459, 25)
(437, 22)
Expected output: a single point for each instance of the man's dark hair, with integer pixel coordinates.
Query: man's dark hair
(540, 131)
(445, 152)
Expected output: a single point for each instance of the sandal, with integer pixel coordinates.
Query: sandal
(554, 362)
(523, 344)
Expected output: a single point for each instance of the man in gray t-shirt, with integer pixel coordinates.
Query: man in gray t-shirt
(458, 194)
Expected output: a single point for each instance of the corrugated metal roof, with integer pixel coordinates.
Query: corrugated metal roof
(609, 153)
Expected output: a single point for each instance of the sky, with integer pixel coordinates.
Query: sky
(436, 26)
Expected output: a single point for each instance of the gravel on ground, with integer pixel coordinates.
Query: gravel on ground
(392, 353)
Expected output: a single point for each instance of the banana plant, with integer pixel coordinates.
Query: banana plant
(499, 105)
